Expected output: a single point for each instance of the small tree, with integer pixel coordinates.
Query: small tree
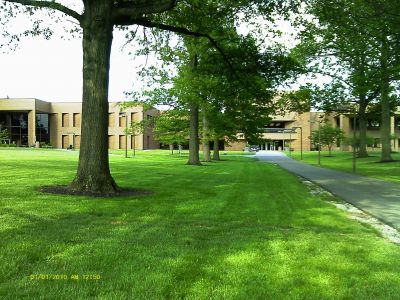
(172, 127)
(3, 135)
(369, 142)
(135, 129)
(327, 135)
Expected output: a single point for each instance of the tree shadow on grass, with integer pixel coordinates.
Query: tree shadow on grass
(386, 162)
(187, 255)
(66, 190)
(232, 242)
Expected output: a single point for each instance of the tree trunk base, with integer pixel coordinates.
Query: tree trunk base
(194, 163)
(386, 160)
(362, 153)
(216, 159)
(103, 185)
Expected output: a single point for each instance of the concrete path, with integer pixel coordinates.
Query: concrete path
(376, 197)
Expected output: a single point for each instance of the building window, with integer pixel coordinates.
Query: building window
(122, 120)
(77, 141)
(373, 125)
(16, 124)
(65, 120)
(111, 120)
(42, 128)
(111, 142)
(275, 125)
(77, 120)
(150, 121)
(65, 142)
(135, 117)
(397, 122)
(122, 142)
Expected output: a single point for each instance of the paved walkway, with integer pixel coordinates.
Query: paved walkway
(376, 197)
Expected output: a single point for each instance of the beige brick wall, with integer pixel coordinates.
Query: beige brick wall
(236, 146)
(72, 112)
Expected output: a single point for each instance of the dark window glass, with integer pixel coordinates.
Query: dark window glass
(42, 128)
(275, 125)
(16, 124)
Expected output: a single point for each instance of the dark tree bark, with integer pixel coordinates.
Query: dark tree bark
(206, 140)
(216, 150)
(93, 172)
(194, 158)
(97, 21)
(362, 118)
(385, 103)
(194, 148)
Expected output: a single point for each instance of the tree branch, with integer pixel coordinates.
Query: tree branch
(334, 76)
(125, 13)
(184, 31)
(49, 4)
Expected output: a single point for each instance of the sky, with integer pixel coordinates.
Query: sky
(51, 70)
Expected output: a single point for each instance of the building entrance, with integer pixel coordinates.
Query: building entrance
(273, 145)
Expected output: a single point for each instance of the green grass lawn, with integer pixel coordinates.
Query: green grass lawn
(343, 161)
(235, 229)
(176, 152)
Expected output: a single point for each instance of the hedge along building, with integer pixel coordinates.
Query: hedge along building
(59, 124)
(284, 131)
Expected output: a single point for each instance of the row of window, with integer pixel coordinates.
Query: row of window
(76, 119)
(75, 141)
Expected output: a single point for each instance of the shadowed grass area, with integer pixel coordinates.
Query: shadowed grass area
(368, 166)
(235, 229)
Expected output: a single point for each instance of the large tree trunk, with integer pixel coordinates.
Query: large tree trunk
(362, 118)
(206, 139)
(385, 103)
(93, 174)
(216, 150)
(194, 158)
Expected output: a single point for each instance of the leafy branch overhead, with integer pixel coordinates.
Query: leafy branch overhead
(201, 25)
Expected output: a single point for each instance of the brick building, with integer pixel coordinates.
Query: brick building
(59, 123)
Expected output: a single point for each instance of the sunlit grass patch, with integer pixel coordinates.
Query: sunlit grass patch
(366, 166)
(234, 229)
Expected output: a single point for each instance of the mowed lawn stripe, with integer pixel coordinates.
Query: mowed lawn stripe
(234, 229)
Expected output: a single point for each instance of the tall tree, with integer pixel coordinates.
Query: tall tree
(334, 45)
(368, 65)
(219, 19)
(171, 127)
(97, 23)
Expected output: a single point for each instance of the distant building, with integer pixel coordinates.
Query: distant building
(59, 124)
(284, 131)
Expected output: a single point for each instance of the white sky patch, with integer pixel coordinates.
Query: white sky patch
(52, 70)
